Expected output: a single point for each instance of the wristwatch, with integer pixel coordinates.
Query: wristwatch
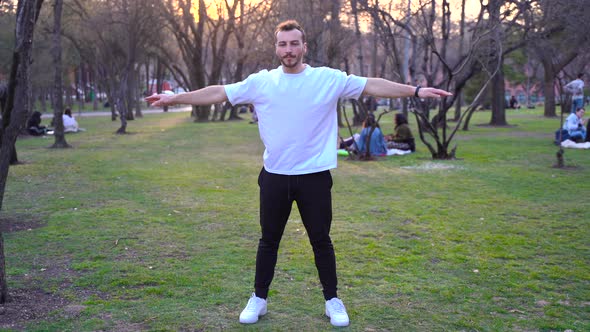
(416, 92)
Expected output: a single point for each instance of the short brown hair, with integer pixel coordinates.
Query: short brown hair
(288, 26)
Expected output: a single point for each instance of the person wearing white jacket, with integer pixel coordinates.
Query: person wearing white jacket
(70, 124)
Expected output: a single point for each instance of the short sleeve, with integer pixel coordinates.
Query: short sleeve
(354, 86)
(243, 92)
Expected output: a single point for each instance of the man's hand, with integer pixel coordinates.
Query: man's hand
(433, 93)
(160, 100)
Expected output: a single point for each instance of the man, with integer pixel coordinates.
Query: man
(576, 88)
(296, 108)
(575, 125)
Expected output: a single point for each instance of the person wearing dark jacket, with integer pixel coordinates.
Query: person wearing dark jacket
(402, 138)
(34, 126)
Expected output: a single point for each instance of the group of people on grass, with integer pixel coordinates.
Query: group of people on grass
(378, 144)
(35, 128)
(575, 124)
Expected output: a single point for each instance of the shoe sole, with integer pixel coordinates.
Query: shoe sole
(336, 323)
(262, 313)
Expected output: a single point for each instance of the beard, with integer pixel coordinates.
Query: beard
(294, 61)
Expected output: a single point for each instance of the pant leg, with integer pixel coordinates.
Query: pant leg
(575, 134)
(577, 103)
(314, 201)
(275, 207)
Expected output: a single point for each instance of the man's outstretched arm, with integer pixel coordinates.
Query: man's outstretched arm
(213, 94)
(379, 87)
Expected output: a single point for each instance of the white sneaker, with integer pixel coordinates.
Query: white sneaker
(337, 312)
(256, 307)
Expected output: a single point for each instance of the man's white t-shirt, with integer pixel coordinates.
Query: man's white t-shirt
(297, 116)
(576, 87)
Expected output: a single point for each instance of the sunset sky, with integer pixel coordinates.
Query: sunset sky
(473, 6)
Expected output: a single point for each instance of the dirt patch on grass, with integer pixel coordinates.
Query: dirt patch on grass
(28, 305)
(30, 302)
(21, 222)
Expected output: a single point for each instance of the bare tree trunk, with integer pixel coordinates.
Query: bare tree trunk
(84, 83)
(112, 100)
(80, 88)
(459, 101)
(160, 72)
(3, 99)
(359, 39)
(498, 100)
(133, 97)
(69, 100)
(43, 100)
(60, 138)
(549, 92)
(3, 96)
(96, 89)
(17, 104)
(551, 69)
(148, 90)
(122, 106)
(498, 89)
(375, 44)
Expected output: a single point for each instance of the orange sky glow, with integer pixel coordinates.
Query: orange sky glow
(472, 6)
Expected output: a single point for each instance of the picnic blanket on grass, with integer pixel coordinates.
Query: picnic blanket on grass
(390, 152)
(573, 145)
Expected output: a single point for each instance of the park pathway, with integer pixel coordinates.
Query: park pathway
(150, 110)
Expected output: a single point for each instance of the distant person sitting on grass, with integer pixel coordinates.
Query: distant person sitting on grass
(514, 103)
(70, 124)
(376, 142)
(297, 121)
(34, 126)
(574, 124)
(402, 138)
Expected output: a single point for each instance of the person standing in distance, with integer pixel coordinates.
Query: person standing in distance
(296, 108)
(576, 88)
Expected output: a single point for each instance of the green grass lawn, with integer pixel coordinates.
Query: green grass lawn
(157, 230)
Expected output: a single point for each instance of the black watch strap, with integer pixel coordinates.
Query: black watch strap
(416, 92)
